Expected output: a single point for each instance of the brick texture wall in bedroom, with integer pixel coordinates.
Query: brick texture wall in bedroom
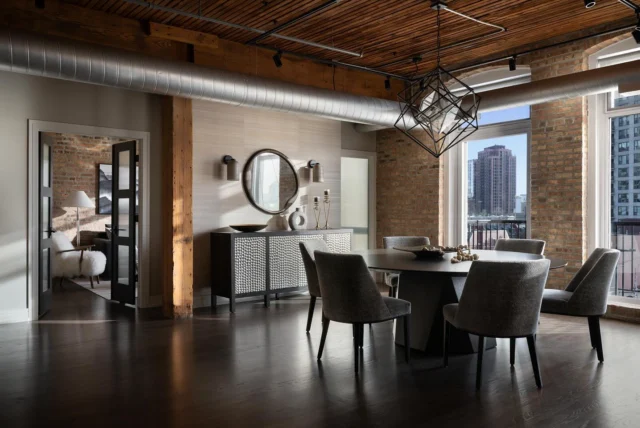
(75, 167)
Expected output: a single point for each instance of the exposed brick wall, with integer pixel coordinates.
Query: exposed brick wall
(409, 195)
(558, 168)
(75, 167)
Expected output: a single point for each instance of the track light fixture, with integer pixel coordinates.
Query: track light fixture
(636, 32)
(387, 83)
(277, 59)
(589, 3)
(512, 63)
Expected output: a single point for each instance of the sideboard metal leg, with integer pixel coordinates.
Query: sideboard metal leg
(267, 301)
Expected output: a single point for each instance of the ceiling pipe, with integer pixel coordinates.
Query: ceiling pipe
(48, 56)
(590, 82)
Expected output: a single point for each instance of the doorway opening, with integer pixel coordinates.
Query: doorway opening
(88, 220)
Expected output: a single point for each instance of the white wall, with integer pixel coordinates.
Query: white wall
(27, 97)
(219, 130)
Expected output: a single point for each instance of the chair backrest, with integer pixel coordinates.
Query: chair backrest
(349, 293)
(502, 299)
(531, 246)
(590, 285)
(405, 241)
(308, 249)
(60, 242)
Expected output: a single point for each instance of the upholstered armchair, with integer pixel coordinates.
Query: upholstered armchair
(392, 279)
(499, 299)
(308, 249)
(350, 295)
(530, 246)
(70, 262)
(587, 293)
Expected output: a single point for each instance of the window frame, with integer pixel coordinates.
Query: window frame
(599, 191)
(456, 175)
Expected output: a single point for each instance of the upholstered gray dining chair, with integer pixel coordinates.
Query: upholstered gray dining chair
(531, 246)
(586, 295)
(499, 299)
(350, 295)
(392, 279)
(308, 248)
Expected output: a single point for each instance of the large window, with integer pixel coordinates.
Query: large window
(488, 175)
(613, 199)
(357, 204)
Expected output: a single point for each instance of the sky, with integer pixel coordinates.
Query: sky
(516, 143)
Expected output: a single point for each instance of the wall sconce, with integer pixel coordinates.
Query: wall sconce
(233, 170)
(317, 171)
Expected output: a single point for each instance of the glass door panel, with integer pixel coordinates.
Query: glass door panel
(123, 244)
(496, 189)
(354, 200)
(45, 221)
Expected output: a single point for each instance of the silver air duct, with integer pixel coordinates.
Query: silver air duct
(28, 53)
(591, 82)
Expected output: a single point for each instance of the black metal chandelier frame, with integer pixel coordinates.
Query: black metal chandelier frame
(427, 104)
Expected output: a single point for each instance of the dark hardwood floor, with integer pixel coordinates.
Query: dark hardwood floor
(91, 363)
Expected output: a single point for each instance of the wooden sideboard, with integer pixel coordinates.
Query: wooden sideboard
(265, 263)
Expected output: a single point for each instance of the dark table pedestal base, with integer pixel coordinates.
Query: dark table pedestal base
(428, 293)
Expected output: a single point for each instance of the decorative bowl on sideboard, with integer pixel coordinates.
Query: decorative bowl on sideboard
(247, 227)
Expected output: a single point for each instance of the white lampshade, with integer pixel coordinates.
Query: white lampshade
(78, 199)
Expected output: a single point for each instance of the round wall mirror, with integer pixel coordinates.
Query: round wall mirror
(270, 181)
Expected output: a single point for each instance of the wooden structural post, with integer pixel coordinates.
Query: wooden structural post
(177, 229)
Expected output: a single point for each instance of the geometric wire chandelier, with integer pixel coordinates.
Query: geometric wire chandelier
(432, 115)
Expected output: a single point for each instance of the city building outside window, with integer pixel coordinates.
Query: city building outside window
(623, 172)
(623, 160)
(623, 198)
(636, 197)
(636, 131)
(623, 133)
(624, 146)
(623, 211)
(636, 211)
(623, 121)
(636, 158)
(636, 184)
(636, 119)
(623, 185)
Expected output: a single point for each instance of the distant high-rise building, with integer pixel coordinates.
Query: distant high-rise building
(625, 165)
(470, 176)
(495, 181)
(520, 205)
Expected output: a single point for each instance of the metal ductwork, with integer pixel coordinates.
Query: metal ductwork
(34, 54)
(591, 82)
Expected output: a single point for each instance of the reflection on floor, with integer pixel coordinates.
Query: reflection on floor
(91, 362)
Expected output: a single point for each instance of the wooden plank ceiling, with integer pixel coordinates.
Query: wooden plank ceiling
(388, 31)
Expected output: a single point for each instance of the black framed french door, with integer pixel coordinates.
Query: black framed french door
(123, 221)
(45, 195)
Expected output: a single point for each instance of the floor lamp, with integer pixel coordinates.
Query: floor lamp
(78, 199)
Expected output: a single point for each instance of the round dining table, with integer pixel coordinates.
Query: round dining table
(431, 284)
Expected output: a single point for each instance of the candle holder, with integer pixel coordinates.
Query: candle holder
(316, 211)
(326, 204)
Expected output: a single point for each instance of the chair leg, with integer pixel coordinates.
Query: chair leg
(445, 346)
(361, 335)
(356, 349)
(391, 292)
(325, 328)
(596, 337)
(312, 306)
(407, 337)
(534, 360)
(479, 367)
(98, 279)
(512, 350)
(91, 281)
